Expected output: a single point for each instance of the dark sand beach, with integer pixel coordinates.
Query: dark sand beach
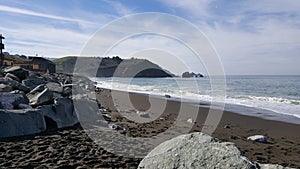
(71, 147)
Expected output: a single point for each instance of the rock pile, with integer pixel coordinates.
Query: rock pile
(31, 102)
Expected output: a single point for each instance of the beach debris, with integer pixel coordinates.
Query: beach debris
(195, 150)
(167, 96)
(115, 127)
(226, 127)
(258, 138)
(161, 118)
(190, 120)
(143, 114)
(107, 116)
(102, 110)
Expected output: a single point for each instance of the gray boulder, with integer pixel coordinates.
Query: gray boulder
(33, 82)
(37, 98)
(17, 71)
(195, 150)
(56, 89)
(5, 88)
(11, 100)
(14, 84)
(24, 106)
(62, 112)
(9, 75)
(21, 122)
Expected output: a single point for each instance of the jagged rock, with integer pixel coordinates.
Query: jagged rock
(14, 84)
(62, 112)
(67, 91)
(5, 88)
(40, 98)
(258, 138)
(11, 100)
(65, 110)
(195, 150)
(33, 81)
(21, 122)
(24, 106)
(9, 75)
(86, 109)
(17, 71)
(56, 89)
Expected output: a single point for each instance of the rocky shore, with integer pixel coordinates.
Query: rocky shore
(39, 128)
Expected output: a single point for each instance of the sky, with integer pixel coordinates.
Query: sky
(250, 37)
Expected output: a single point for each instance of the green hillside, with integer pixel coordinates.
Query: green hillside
(109, 67)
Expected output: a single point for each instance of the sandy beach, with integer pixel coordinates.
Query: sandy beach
(71, 147)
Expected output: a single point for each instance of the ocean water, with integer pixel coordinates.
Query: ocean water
(270, 97)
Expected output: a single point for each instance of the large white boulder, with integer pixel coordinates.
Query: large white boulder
(195, 150)
(21, 122)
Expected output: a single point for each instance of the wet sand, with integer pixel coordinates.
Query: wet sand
(71, 147)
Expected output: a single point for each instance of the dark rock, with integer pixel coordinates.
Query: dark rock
(115, 127)
(55, 87)
(40, 98)
(33, 81)
(62, 112)
(226, 127)
(167, 96)
(5, 88)
(9, 75)
(17, 71)
(67, 91)
(24, 106)
(14, 84)
(192, 74)
(11, 100)
(21, 122)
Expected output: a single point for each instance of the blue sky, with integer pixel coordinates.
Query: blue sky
(251, 37)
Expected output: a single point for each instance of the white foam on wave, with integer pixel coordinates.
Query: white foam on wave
(274, 104)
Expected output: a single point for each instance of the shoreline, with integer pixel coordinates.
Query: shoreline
(283, 145)
(72, 147)
(229, 107)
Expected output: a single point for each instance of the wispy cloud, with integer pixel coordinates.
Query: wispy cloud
(119, 7)
(38, 14)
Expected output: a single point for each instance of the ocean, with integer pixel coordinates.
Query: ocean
(269, 97)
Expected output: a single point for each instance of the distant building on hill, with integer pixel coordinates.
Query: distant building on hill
(37, 64)
(8, 62)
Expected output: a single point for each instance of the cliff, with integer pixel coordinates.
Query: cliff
(111, 67)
